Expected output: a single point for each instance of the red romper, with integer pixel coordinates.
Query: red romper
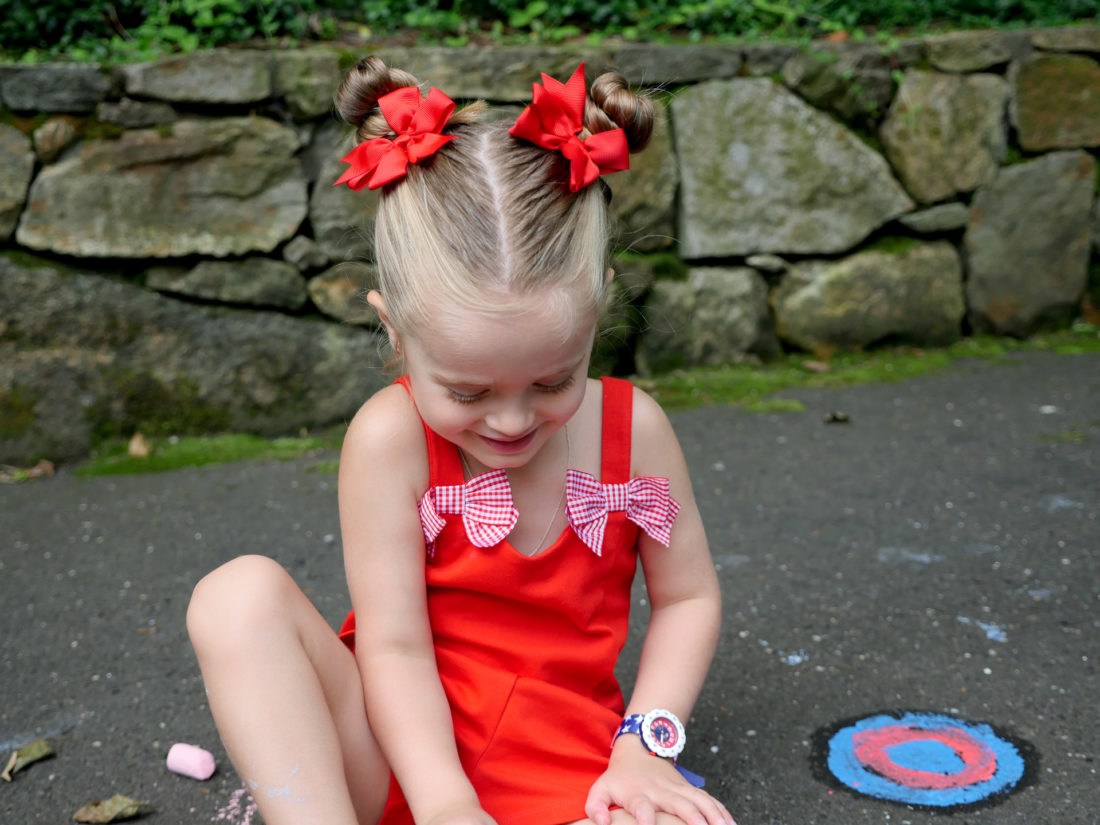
(527, 645)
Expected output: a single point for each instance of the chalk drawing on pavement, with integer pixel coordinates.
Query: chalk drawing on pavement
(241, 809)
(993, 632)
(922, 759)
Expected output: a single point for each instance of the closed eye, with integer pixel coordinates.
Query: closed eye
(464, 398)
(561, 386)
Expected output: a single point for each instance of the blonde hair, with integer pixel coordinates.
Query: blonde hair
(489, 219)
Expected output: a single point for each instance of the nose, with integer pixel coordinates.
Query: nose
(511, 418)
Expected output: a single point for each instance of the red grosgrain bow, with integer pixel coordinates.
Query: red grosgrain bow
(484, 502)
(418, 124)
(647, 500)
(554, 118)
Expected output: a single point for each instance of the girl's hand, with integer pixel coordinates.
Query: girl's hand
(643, 785)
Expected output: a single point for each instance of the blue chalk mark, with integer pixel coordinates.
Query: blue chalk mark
(926, 755)
(993, 632)
(1059, 502)
(793, 659)
(846, 767)
(894, 555)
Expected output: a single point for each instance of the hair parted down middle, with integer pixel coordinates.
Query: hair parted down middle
(489, 219)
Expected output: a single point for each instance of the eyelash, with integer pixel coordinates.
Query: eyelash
(549, 389)
(561, 386)
(463, 399)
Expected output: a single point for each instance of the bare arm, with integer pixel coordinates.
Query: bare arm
(679, 643)
(383, 471)
(680, 579)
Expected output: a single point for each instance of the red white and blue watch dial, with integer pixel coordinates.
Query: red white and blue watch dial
(661, 732)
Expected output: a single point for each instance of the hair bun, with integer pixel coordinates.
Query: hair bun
(362, 86)
(612, 105)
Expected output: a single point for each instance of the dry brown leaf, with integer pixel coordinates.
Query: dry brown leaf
(116, 808)
(13, 475)
(815, 366)
(36, 751)
(139, 446)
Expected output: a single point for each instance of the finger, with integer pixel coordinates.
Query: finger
(696, 808)
(727, 817)
(712, 810)
(644, 813)
(598, 806)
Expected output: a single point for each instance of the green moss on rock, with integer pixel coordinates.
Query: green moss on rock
(27, 260)
(140, 402)
(665, 266)
(92, 129)
(347, 58)
(894, 245)
(26, 125)
(16, 413)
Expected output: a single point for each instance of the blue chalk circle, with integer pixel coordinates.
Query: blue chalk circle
(927, 755)
(924, 759)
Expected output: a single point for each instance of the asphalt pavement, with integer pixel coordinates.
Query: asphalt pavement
(937, 553)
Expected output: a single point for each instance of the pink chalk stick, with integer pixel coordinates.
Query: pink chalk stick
(190, 760)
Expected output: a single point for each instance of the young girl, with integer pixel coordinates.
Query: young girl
(493, 504)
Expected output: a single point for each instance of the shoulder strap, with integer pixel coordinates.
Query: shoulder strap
(444, 465)
(618, 400)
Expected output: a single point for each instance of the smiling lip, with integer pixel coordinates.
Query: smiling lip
(511, 445)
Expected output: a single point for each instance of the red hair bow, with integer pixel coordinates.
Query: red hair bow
(418, 124)
(554, 118)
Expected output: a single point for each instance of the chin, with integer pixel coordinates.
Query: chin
(495, 461)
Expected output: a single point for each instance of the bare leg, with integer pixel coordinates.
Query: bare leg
(286, 697)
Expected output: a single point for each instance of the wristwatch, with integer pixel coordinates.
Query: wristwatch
(662, 733)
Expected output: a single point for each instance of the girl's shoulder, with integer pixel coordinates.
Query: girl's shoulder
(648, 415)
(651, 435)
(654, 446)
(386, 439)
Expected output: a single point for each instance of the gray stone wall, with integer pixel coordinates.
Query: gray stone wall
(174, 258)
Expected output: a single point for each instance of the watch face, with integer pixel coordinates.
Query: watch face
(663, 734)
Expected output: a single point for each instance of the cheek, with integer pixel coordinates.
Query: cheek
(444, 415)
(564, 405)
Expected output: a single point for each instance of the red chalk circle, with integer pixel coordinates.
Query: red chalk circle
(870, 748)
(923, 759)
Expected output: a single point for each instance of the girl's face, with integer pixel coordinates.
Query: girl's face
(498, 386)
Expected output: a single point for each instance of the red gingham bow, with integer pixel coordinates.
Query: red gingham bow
(554, 118)
(418, 124)
(647, 500)
(484, 502)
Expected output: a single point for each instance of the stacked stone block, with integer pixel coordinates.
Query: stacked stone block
(169, 229)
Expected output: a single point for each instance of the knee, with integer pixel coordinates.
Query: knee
(236, 600)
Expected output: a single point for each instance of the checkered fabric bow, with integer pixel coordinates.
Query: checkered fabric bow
(484, 502)
(647, 501)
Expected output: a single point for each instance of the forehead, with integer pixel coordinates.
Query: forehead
(488, 346)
